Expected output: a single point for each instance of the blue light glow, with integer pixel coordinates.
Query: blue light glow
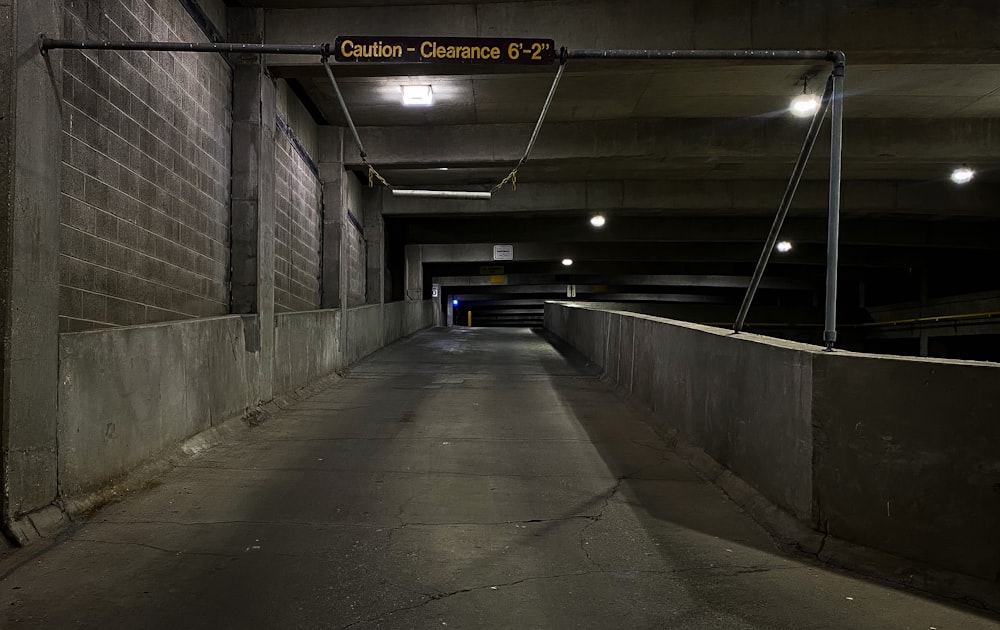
(454, 302)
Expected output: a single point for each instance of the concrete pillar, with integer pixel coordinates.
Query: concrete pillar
(333, 177)
(30, 184)
(414, 273)
(375, 237)
(253, 194)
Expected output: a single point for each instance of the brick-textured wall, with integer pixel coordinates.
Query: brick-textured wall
(146, 169)
(297, 224)
(357, 260)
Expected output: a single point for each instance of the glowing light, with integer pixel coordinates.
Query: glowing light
(454, 302)
(962, 175)
(418, 95)
(784, 247)
(598, 220)
(567, 262)
(804, 105)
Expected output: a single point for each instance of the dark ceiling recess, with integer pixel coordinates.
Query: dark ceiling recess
(687, 160)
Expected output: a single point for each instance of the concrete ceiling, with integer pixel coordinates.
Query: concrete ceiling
(676, 139)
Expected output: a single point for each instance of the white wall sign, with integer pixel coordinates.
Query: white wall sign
(435, 290)
(503, 252)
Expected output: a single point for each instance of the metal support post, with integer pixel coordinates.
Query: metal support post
(833, 227)
(786, 204)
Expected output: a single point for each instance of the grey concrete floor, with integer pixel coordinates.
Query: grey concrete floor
(463, 478)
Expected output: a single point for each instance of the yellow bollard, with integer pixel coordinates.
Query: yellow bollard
(470, 319)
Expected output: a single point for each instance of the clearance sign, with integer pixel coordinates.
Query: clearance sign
(350, 48)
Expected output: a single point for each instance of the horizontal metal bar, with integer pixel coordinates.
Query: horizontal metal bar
(824, 55)
(268, 49)
(443, 194)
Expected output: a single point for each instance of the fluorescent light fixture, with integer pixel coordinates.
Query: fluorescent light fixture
(962, 175)
(804, 105)
(567, 262)
(442, 194)
(784, 247)
(418, 95)
(598, 220)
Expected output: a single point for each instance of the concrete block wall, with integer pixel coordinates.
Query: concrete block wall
(297, 227)
(146, 170)
(897, 454)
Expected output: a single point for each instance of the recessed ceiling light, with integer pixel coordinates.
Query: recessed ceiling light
(598, 220)
(804, 105)
(567, 262)
(418, 95)
(784, 247)
(962, 175)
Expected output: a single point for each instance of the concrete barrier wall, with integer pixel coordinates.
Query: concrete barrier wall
(364, 332)
(306, 347)
(908, 457)
(126, 394)
(373, 327)
(746, 404)
(890, 453)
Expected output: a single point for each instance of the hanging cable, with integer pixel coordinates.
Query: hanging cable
(512, 176)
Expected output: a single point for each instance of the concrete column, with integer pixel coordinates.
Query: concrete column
(335, 208)
(414, 273)
(332, 175)
(30, 184)
(375, 237)
(253, 194)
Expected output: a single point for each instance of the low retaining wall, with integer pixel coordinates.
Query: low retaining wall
(306, 346)
(891, 453)
(127, 395)
(373, 327)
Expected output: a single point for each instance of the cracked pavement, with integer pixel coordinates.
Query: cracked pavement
(462, 478)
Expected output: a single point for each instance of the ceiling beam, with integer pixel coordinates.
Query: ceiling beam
(710, 197)
(687, 145)
(707, 281)
(590, 253)
(849, 25)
